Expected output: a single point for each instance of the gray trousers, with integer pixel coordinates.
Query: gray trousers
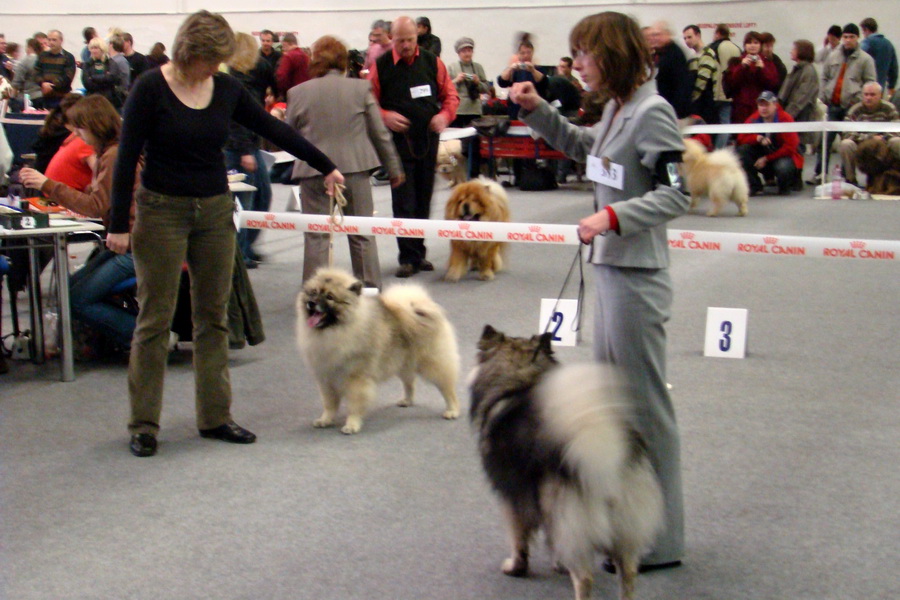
(633, 306)
(363, 249)
(167, 231)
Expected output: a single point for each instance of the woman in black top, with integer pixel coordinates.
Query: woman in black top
(179, 116)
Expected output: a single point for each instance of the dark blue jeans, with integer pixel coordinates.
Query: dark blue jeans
(259, 200)
(89, 288)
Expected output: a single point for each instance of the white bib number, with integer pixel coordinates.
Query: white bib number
(610, 174)
(420, 91)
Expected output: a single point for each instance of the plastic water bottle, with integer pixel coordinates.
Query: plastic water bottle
(837, 184)
(27, 103)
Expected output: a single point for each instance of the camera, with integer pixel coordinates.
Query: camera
(521, 66)
(755, 58)
(469, 76)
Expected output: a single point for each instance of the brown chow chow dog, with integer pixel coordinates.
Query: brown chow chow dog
(716, 174)
(352, 342)
(477, 200)
(560, 448)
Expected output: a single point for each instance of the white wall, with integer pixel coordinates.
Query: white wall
(492, 24)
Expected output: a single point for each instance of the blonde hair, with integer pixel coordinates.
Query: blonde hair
(204, 36)
(98, 43)
(246, 52)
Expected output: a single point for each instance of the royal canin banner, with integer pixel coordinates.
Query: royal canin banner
(697, 241)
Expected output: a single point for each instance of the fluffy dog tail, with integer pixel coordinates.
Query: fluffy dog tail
(616, 502)
(411, 305)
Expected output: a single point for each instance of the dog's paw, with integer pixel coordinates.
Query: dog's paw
(486, 275)
(742, 211)
(451, 413)
(404, 402)
(323, 422)
(452, 277)
(351, 426)
(515, 567)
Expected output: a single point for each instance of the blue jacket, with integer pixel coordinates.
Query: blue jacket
(882, 50)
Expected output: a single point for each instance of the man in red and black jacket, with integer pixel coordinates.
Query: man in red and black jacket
(418, 101)
(773, 154)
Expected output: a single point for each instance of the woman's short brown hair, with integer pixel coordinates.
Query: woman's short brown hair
(615, 42)
(328, 53)
(204, 36)
(805, 50)
(753, 36)
(96, 114)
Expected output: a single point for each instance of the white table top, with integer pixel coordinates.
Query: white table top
(56, 226)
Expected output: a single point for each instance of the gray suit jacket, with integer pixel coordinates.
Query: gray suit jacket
(644, 129)
(341, 118)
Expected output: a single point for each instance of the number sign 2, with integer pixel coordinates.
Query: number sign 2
(558, 317)
(726, 332)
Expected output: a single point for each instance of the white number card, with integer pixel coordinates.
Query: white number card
(609, 174)
(420, 91)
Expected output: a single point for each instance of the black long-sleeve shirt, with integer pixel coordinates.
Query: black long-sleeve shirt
(184, 145)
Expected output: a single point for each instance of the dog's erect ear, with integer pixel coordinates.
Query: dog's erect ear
(490, 337)
(545, 343)
(356, 287)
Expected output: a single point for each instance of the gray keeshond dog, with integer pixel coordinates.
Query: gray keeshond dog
(559, 448)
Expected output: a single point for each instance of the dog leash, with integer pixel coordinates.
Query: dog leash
(336, 204)
(577, 323)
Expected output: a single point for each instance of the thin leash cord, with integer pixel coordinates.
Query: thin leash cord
(336, 204)
(577, 323)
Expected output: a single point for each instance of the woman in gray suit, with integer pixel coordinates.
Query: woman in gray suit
(341, 117)
(632, 155)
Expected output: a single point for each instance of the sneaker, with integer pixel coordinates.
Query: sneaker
(816, 180)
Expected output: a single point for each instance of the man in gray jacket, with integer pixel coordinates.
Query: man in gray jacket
(844, 73)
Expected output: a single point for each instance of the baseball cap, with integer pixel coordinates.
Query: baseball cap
(767, 96)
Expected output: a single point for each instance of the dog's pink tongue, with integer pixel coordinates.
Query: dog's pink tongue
(314, 320)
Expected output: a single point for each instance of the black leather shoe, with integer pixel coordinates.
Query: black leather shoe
(426, 266)
(229, 432)
(406, 270)
(610, 568)
(143, 444)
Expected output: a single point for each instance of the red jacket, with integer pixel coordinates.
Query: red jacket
(744, 84)
(293, 69)
(788, 143)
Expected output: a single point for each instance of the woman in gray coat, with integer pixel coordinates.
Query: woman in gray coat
(801, 88)
(341, 117)
(632, 155)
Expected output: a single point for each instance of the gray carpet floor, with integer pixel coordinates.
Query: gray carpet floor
(788, 453)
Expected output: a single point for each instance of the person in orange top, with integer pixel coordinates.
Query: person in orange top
(98, 125)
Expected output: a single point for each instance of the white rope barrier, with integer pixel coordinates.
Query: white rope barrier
(532, 233)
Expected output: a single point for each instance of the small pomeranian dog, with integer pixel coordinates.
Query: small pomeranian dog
(481, 199)
(559, 448)
(351, 342)
(715, 174)
(451, 163)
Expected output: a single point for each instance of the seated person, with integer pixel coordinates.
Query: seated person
(770, 154)
(96, 121)
(871, 109)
